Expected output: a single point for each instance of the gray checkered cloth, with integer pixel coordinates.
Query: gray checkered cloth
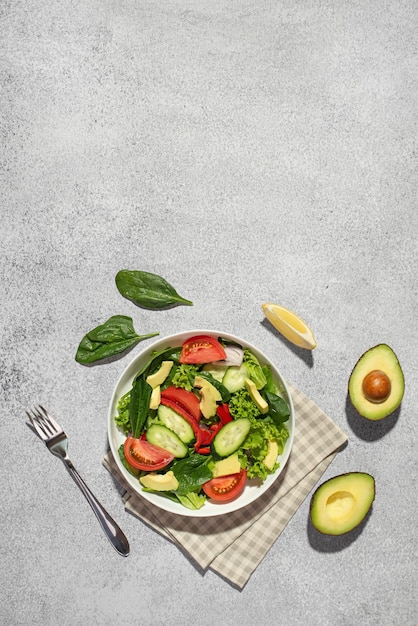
(235, 544)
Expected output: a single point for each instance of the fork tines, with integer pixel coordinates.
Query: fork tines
(43, 422)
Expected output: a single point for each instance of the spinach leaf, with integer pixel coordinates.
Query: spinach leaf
(147, 290)
(228, 342)
(278, 408)
(167, 354)
(116, 335)
(139, 405)
(192, 472)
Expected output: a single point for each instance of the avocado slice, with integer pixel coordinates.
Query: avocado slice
(226, 467)
(341, 503)
(272, 453)
(200, 383)
(209, 396)
(207, 403)
(155, 399)
(160, 375)
(256, 396)
(376, 385)
(160, 482)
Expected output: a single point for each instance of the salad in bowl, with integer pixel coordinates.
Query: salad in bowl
(201, 423)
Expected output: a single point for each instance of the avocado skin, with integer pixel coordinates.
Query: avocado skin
(360, 490)
(379, 357)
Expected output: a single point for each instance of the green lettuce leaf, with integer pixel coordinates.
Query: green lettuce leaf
(184, 376)
(242, 405)
(192, 500)
(255, 370)
(122, 417)
(255, 448)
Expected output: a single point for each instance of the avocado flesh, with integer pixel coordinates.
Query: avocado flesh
(154, 380)
(382, 358)
(341, 503)
(160, 482)
(209, 396)
(256, 396)
(226, 467)
(272, 453)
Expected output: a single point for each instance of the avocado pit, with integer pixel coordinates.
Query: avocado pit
(376, 386)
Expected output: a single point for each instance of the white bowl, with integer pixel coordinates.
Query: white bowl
(253, 489)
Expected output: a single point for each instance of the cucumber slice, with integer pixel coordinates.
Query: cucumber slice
(234, 377)
(217, 371)
(176, 423)
(231, 437)
(162, 436)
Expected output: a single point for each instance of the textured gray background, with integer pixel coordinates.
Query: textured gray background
(247, 151)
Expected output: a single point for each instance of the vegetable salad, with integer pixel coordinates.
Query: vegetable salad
(200, 420)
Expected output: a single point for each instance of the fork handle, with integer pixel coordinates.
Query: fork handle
(111, 529)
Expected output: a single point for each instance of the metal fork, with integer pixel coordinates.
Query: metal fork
(57, 443)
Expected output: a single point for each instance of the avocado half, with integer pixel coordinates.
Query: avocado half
(341, 503)
(376, 385)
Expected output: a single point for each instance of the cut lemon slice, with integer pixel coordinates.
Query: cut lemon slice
(289, 325)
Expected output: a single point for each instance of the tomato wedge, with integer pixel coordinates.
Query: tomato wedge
(144, 455)
(226, 488)
(202, 349)
(189, 418)
(185, 399)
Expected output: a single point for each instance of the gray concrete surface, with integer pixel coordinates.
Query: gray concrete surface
(247, 151)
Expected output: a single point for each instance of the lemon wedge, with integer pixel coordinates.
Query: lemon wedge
(289, 325)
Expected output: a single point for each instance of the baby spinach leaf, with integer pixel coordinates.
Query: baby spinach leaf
(139, 405)
(116, 335)
(278, 408)
(167, 354)
(147, 290)
(192, 472)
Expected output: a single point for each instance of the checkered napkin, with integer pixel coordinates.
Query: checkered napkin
(233, 545)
